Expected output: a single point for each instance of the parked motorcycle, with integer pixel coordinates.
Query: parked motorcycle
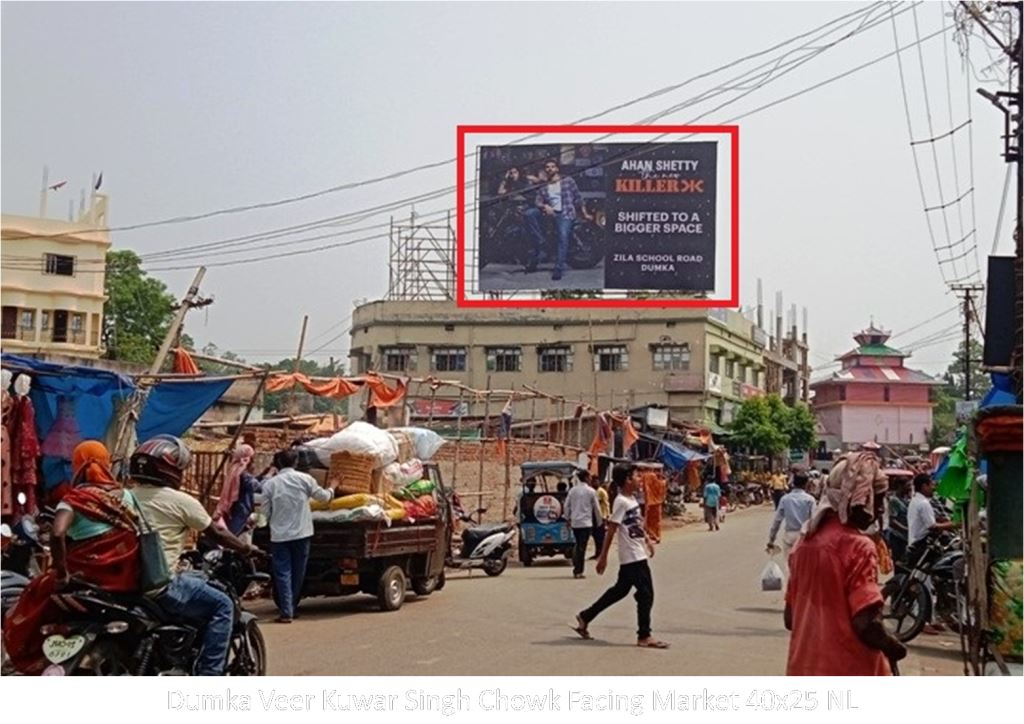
(110, 635)
(506, 241)
(674, 503)
(935, 585)
(483, 546)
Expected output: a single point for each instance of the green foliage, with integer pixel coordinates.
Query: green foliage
(754, 427)
(138, 312)
(955, 377)
(765, 424)
(944, 426)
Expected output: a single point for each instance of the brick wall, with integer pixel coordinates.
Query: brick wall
(489, 491)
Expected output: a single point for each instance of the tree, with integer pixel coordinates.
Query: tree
(768, 425)
(944, 399)
(138, 312)
(754, 428)
(955, 377)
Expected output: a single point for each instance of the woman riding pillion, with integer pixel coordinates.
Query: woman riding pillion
(94, 538)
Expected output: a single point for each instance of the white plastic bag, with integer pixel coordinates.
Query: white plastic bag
(425, 442)
(359, 438)
(771, 576)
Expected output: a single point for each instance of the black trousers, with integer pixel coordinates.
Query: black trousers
(777, 496)
(599, 538)
(631, 575)
(579, 553)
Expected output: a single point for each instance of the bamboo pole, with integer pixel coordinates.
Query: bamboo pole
(483, 435)
(508, 474)
(458, 442)
(433, 397)
(533, 424)
(238, 433)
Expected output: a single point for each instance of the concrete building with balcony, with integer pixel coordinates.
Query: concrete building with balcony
(52, 290)
(873, 396)
(700, 364)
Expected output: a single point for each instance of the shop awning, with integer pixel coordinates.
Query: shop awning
(676, 457)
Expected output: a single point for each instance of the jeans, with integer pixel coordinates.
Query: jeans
(190, 598)
(579, 553)
(532, 220)
(631, 575)
(289, 561)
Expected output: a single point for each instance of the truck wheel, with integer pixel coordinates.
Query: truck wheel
(391, 589)
(524, 557)
(495, 567)
(425, 586)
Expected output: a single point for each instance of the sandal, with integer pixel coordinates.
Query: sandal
(652, 644)
(581, 628)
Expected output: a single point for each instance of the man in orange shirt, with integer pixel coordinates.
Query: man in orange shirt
(654, 494)
(833, 601)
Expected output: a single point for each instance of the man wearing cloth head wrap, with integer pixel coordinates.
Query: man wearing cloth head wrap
(833, 601)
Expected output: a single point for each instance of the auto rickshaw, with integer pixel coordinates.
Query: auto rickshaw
(540, 510)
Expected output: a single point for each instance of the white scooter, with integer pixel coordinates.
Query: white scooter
(483, 546)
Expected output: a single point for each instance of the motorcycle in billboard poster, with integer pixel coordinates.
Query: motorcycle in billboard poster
(613, 216)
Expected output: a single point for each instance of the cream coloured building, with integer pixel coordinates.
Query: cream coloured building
(52, 285)
(698, 363)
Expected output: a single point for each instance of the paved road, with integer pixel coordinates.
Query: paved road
(708, 605)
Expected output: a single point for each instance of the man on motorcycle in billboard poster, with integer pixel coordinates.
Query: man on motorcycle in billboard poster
(558, 198)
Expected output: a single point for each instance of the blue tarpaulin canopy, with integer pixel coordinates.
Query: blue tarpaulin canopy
(675, 457)
(74, 403)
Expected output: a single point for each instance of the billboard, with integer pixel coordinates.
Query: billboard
(592, 216)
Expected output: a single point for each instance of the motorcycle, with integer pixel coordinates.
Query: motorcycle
(674, 500)
(104, 634)
(505, 239)
(482, 546)
(21, 547)
(935, 585)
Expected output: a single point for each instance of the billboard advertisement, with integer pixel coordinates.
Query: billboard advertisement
(592, 216)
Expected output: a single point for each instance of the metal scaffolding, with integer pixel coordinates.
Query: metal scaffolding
(421, 260)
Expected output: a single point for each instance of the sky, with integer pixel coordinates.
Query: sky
(191, 108)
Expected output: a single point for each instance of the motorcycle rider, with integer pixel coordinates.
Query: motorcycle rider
(559, 198)
(921, 520)
(158, 466)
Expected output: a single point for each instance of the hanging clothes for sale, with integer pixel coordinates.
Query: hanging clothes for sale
(7, 408)
(23, 450)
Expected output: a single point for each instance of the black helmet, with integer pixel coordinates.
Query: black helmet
(161, 460)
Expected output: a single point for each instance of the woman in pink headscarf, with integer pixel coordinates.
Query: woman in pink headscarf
(238, 495)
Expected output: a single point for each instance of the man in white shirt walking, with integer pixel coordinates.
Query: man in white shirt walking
(285, 501)
(635, 547)
(581, 510)
(794, 509)
(921, 520)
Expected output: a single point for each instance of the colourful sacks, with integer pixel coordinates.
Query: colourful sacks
(415, 490)
(422, 507)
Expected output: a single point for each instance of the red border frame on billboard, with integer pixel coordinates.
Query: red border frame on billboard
(460, 221)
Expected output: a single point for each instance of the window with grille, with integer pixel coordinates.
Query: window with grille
(611, 358)
(672, 357)
(448, 359)
(730, 368)
(59, 264)
(713, 364)
(504, 359)
(555, 359)
(398, 359)
(28, 319)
